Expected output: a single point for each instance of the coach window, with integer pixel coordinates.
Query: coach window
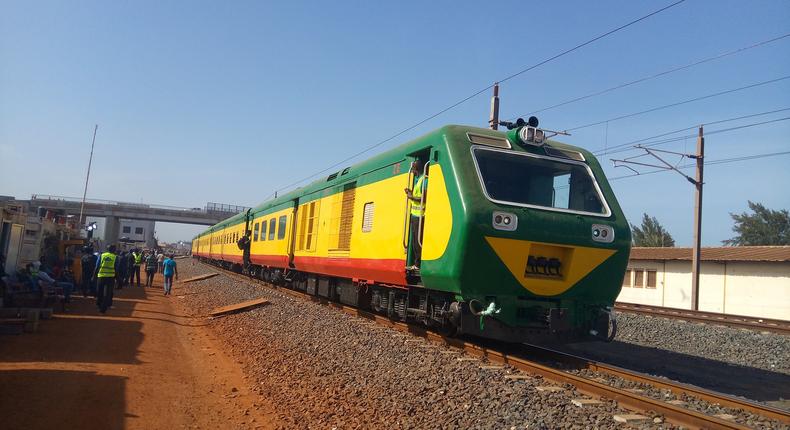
(281, 229)
(263, 230)
(272, 227)
(255, 232)
(627, 278)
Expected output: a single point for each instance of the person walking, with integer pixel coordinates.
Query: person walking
(169, 269)
(106, 270)
(122, 268)
(151, 267)
(160, 259)
(88, 264)
(137, 261)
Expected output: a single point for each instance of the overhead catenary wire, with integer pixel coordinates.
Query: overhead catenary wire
(682, 102)
(481, 91)
(707, 163)
(707, 133)
(657, 75)
(616, 148)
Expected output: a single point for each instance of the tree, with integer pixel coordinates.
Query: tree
(651, 233)
(763, 227)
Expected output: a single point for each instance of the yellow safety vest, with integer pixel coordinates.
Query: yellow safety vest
(417, 209)
(107, 265)
(138, 258)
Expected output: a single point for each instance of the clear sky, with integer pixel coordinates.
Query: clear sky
(228, 101)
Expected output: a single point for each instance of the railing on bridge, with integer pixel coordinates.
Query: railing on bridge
(210, 207)
(220, 207)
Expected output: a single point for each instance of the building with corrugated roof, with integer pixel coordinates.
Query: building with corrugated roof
(740, 280)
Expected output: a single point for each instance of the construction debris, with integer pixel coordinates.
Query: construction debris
(238, 307)
(201, 277)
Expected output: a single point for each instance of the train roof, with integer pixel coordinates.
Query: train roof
(385, 158)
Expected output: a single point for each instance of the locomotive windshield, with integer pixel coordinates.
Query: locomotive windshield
(528, 180)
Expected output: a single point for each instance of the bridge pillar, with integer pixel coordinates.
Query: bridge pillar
(112, 229)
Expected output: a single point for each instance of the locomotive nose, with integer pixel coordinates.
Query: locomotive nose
(547, 269)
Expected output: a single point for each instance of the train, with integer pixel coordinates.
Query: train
(519, 239)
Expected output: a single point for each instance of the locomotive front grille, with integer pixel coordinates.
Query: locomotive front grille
(547, 262)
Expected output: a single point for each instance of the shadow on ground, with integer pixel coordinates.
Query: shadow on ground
(82, 334)
(28, 392)
(752, 383)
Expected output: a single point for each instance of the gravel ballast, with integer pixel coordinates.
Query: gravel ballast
(762, 350)
(320, 368)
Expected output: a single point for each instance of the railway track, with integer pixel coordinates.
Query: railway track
(738, 321)
(553, 365)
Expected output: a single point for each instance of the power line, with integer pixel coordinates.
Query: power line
(581, 45)
(708, 163)
(695, 99)
(477, 93)
(659, 74)
(614, 149)
(707, 133)
(746, 158)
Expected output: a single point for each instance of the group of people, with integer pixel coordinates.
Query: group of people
(101, 274)
(40, 277)
(109, 270)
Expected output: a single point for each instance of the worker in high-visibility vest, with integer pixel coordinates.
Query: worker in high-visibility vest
(106, 268)
(416, 195)
(137, 256)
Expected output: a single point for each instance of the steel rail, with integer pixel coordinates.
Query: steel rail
(737, 321)
(628, 400)
(676, 387)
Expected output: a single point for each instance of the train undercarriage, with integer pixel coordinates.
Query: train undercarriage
(432, 309)
(435, 310)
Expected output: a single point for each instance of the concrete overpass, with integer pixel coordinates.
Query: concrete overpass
(114, 211)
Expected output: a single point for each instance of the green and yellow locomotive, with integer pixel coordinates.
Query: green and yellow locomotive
(506, 236)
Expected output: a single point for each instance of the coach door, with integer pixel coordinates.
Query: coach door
(292, 237)
(419, 167)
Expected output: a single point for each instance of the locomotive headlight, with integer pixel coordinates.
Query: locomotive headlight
(504, 221)
(531, 135)
(602, 233)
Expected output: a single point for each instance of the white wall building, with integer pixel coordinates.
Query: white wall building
(138, 231)
(741, 280)
(135, 230)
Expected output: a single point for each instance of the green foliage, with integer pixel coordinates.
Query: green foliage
(651, 233)
(763, 227)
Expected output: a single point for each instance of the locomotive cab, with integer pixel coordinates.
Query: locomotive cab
(546, 243)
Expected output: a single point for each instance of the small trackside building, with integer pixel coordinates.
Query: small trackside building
(743, 280)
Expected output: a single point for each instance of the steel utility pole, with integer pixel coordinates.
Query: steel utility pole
(696, 253)
(493, 119)
(697, 182)
(87, 176)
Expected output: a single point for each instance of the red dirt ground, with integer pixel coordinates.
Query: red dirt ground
(142, 365)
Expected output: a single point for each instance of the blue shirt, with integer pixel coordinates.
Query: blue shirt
(169, 266)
